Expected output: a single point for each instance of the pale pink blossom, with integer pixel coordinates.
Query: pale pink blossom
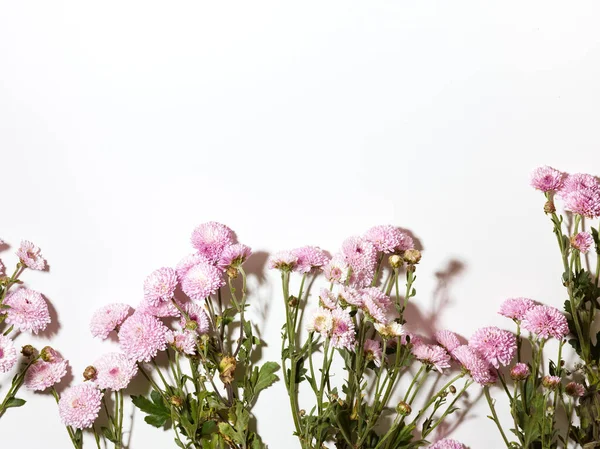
(350, 296)
(546, 322)
(160, 286)
(583, 241)
(448, 340)
(479, 369)
(114, 371)
(432, 355)
(234, 256)
(42, 375)
(447, 443)
(201, 281)
(373, 351)
(211, 239)
(342, 333)
(495, 345)
(337, 269)
(80, 405)
(198, 316)
(516, 308)
(28, 310)
(321, 322)
(376, 304)
(328, 299)
(546, 179)
(309, 258)
(283, 261)
(30, 256)
(141, 337)
(8, 354)
(520, 371)
(183, 341)
(108, 318)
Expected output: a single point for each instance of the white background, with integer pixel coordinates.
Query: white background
(124, 125)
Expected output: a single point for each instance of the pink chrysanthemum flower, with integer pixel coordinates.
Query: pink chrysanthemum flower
(80, 405)
(210, 239)
(30, 256)
(114, 371)
(309, 258)
(8, 354)
(198, 317)
(376, 304)
(342, 332)
(201, 281)
(283, 261)
(546, 322)
(581, 195)
(447, 443)
(162, 310)
(373, 351)
(411, 337)
(583, 241)
(520, 371)
(390, 330)
(28, 310)
(234, 256)
(448, 340)
(336, 270)
(328, 299)
(361, 255)
(183, 341)
(432, 355)
(42, 375)
(385, 238)
(496, 346)
(516, 308)
(141, 337)
(546, 179)
(188, 262)
(107, 319)
(551, 382)
(321, 322)
(160, 285)
(351, 296)
(481, 371)
(575, 390)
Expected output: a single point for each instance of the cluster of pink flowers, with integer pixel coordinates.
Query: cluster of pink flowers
(580, 192)
(447, 443)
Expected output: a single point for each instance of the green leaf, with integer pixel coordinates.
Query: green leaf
(266, 376)
(109, 434)
(208, 428)
(154, 407)
(156, 420)
(15, 402)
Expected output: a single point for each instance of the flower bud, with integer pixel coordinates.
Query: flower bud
(574, 389)
(520, 371)
(551, 382)
(302, 412)
(90, 373)
(28, 351)
(49, 355)
(452, 389)
(412, 256)
(396, 261)
(176, 401)
(293, 301)
(549, 207)
(227, 369)
(403, 408)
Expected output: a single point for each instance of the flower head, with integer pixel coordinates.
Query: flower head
(336, 270)
(8, 354)
(42, 375)
(328, 299)
(361, 255)
(30, 256)
(520, 371)
(28, 310)
(107, 319)
(162, 310)
(376, 304)
(342, 331)
(575, 389)
(234, 256)
(448, 340)
(210, 239)
(188, 262)
(390, 330)
(321, 322)
(581, 195)
(388, 239)
(583, 241)
(197, 316)
(80, 405)
(160, 285)
(350, 296)
(551, 382)
(114, 371)
(141, 337)
(447, 443)
(183, 341)
(495, 345)
(309, 258)
(373, 351)
(432, 355)
(480, 370)
(283, 261)
(202, 280)
(546, 179)
(410, 337)
(546, 322)
(516, 308)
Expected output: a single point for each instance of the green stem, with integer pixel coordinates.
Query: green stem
(69, 428)
(494, 415)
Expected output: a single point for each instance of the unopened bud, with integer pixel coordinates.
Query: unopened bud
(396, 261)
(90, 373)
(452, 389)
(49, 355)
(176, 401)
(227, 369)
(412, 256)
(403, 408)
(28, 351)
(293, 301)
(302, 412)
(549, 207)
(520, 371)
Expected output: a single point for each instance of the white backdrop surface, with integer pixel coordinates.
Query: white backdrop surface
(123, 125)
